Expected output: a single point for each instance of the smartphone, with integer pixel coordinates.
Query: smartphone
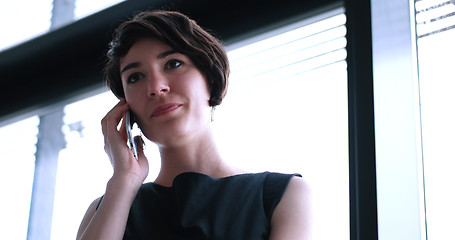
(129, 132)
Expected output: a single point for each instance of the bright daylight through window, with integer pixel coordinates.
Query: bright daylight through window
(436, 53)
(288, 85)
(285, 111)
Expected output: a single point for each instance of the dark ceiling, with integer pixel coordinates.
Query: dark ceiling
(58, 65)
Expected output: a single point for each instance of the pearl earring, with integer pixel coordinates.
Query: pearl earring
(212, 113)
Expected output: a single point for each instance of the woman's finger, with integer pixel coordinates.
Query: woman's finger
(113, 117)
(113, 140)
(141, 158)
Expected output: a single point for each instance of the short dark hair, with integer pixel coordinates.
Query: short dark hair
(181, 34)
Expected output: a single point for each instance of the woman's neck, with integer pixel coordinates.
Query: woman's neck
(198, 155)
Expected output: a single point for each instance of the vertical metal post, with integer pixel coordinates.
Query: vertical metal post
(362, 161)
(62, 13)
(51, 141)
(401, 211)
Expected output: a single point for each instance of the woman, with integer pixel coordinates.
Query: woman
(171, 73)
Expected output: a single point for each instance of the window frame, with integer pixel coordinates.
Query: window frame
(362, 160)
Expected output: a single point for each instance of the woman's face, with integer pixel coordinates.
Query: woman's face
(166, 92)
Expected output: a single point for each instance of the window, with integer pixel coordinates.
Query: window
(87, 7)
(286, 111)
(23, 28)
(413, 93)
(436, 54)
(18, 141)
(19, 26)
(17, 158)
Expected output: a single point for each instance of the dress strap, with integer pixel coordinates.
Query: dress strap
(98, 205)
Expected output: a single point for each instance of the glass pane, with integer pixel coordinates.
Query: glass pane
(84, 168)
(17, 160)
(87, 7)
(23, 23)
(436, 54)
(287, 94)
(286, 111)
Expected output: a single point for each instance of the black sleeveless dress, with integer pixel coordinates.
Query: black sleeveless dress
(198, 206)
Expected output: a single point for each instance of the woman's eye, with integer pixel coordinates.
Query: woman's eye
(135, 77)
(171, 64)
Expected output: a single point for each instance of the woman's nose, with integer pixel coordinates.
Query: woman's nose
(161, 91)
(158, 86)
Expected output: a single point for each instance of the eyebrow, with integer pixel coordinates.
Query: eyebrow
(137, 64)
(166, 53)
(129, 66)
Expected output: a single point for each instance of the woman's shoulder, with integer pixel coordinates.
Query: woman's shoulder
(292, 217)
(88, 216)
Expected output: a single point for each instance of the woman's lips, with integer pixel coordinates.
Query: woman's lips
(165, 109)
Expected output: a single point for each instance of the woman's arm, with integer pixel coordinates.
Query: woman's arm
(109, 221)
(87, 217)
(292, 217)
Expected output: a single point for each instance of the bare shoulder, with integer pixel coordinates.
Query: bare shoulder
(292, 218)
(88, 217)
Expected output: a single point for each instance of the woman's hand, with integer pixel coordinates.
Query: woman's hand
(127, 170)
(109, 220)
